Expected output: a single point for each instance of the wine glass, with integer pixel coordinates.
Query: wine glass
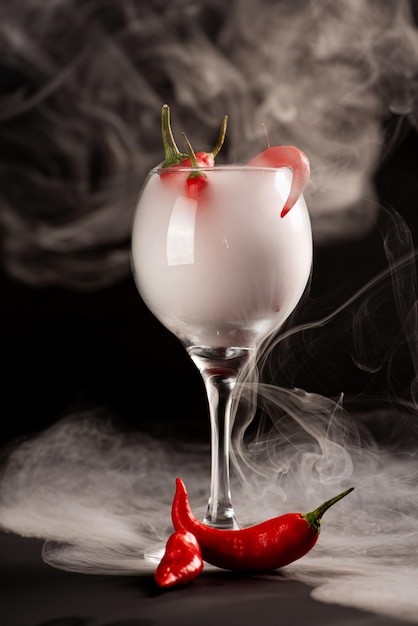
(220, 269)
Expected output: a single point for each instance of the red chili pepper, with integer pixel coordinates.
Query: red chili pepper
(195, 185)
(266, 546)
(286, 156)
(196, 181)
(182, 560)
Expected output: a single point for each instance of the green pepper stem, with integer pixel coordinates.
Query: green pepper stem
(314, 517)
(172, 154)
(189, 150)
(266, 136)
(221, 137)
(192, 156)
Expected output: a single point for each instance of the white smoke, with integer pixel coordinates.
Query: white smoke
(84, 85)
(102, 498)
(78, 142)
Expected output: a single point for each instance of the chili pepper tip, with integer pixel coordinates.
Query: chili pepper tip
(180, 486)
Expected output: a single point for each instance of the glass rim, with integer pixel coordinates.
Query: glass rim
(234, 167)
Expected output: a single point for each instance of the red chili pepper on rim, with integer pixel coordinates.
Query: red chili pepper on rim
(173, 158)
(196, 182)
(182, 560)
(286, 156)
(266, 546)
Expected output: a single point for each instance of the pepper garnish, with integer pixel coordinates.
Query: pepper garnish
(195, 183)
(182, 560)
(266, 546)
(173, 158)
(172, 155)
(286, 156)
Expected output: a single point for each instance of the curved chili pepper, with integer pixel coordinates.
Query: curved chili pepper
(286, 156)
(182, 560)
(266, 546)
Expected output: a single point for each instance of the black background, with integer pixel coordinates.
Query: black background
(64, 351)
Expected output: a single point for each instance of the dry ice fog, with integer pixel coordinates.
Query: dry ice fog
(318, 75)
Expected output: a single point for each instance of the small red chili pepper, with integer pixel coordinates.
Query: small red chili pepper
(196, 182)
(195, 185)
(173, 158)
(182, 560)
(286, 156)
(266, 546)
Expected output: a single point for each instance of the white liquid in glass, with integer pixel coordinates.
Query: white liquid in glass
(226, 270)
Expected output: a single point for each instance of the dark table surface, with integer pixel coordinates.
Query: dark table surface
(35, 594)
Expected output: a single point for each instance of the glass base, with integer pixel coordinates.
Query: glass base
(155, 553)
(227, 522)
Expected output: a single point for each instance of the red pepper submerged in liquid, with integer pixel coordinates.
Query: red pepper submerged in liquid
(286, 156)
(182, 560)
(266, 546)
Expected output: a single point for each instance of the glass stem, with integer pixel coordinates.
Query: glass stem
(220, 375)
